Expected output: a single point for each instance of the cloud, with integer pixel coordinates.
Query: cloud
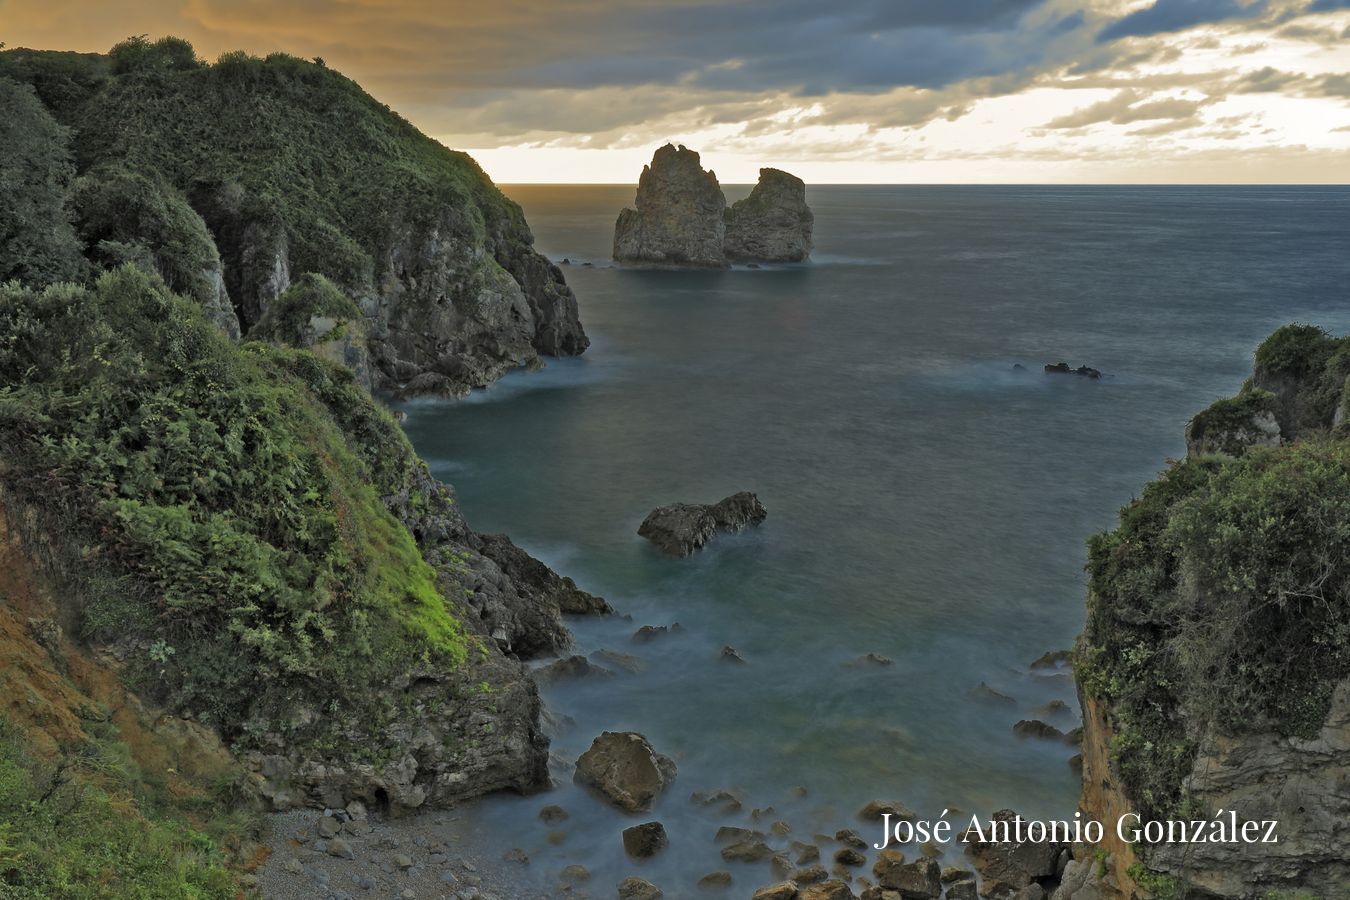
(1166, 16)
(1126, 107)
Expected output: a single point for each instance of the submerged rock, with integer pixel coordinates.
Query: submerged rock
(773, 224)
(681, 528)
(634, 888)
(570, 667)
(678, 218)
(625, 769)
(1063, 368)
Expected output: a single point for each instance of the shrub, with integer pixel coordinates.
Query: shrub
(287, 317)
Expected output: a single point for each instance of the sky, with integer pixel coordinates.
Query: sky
(836, 91)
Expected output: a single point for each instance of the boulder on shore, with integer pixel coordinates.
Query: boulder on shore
(681, 528)
(773, 224)
(624, 768)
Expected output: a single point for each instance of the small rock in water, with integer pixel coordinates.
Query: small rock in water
(634, 888)
(729, 654)
(876, 809)
(828, 890)
(650, 632)
(1054, 708)
(847, 856)
(810, 875)
(1035, 728)
(728, 801)
(681, 528)
(517, 855)
(985, 694)
(783, 890)
(1053, 659)
(574, 874)
(571, 667)
(621, 661)
(1063, 368)
(781, 828)
(714, 881)
(645, 840)
(851, 838)
(872, 659)
(731, 834)
(747, 851)
(552, 814)
(624, 768)
(806, 853)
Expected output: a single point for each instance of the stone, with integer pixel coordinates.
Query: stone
(731, 834)
(919, 880)
(876, 809)
(1052, 659)
(1063, 368)
(726, 800)
(827, 890)
(575, 874)
(516, 855)
(552, 814)
(851, 838)
(341, 849)
(1007, 867)
(1035, 728)
(679, 214)
(328, 827)
(872, 660)
(848, 856)
(681, 528)
(985, 694)
(650, 632)
(810, 875)
(624, 662)
(623, 767)
(783, 890)
(962, 890)
(730, 655)
(645, 840)
(634, 888)
(403, 861)
(773, 224)
(715, 881)
(806, 853)
(747, 851)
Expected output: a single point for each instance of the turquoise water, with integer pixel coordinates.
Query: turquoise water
(926, 500)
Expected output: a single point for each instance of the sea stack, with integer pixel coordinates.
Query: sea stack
(679, 215)
(682, 219)
(773, 224)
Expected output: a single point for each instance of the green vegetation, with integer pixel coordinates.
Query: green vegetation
(224, 503)
(91, 824)
(37, 243)
(1308, 370)
(1222, 599)
(311, 295)
(1227, 420)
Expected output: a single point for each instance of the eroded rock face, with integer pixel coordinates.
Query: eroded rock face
(681, 528)
(678, 218)
(773, 224)
(623, 767)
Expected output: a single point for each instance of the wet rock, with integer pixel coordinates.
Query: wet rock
(725, 800)
(965, 890)
(851, 838)
(876, 809)
(634, 888)
(1052, 659)
(872, 660)
(1007, 867)
(681, 528)
(730, 655)
(552, 814)
(805, 853)
(623, 767)
(516, 855)
(747, 851)
(920, 880)
(773, 224)
(645, 840)
(575, 874)
(985, 694)
(715, 881)
(679, 215)
(1035, 728)
(810, 875)
(783, 890)
(827, 890)
(1063, 368)
(570, 668)
(650, 632)
(1054, 708)
(848, 856)
(781, 828)
(732, 834)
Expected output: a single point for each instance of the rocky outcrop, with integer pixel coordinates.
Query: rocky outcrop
(773, 224)
(1231, 426)
(678, 219)
(681, 528)
(625, 770)
(682, 219)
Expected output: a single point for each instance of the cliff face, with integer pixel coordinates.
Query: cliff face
(679, 214)
(773, 224)
(682, 218)
(1215, 664)
(293, 170)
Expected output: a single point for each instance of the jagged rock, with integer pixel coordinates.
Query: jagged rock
(920, 880)
(634, 888)
(1052, 659)
(876, 809)
(827, 890)
(731, 834)
(851, 838)
(847, 856)
(727, 800)
(624, 768)
(681, 528)
(747, 851)
(678, 218)
(729, 654)
(1063, 368)
(1007, 867)
(651, 632)
(773, 224)
(1035, 728)
(783, 890)
(642, 841)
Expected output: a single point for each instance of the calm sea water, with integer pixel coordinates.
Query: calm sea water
(926, 500)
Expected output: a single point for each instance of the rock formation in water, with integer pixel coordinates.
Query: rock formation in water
(1214, 671)
(681, 217)
(681, 528)
(678, 219)
(248, 174)
(773, 224)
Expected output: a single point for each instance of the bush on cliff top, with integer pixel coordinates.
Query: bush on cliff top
(1222, 601)
(226, 500)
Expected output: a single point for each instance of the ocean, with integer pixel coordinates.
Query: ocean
(927, 500)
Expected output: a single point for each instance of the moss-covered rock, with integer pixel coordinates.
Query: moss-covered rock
(315, 315)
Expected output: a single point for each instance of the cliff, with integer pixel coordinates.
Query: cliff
(234, 179)
(1215, 664)
(681, 217)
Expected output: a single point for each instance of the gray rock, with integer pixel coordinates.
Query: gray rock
(679, 214)
(848, 856)
(747, 851)
(569, 668)
(876, 809)
(773, 224)
(552, 814)
(341, 849)
(623, 767)
(920, 880)
(681, 528)
(828, 890)
(851, 838)
(575, 874)
(783, 890)
(715, 881)
(1035, 728)
(634, 888)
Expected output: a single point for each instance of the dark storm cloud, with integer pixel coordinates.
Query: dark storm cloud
(1176, 15)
